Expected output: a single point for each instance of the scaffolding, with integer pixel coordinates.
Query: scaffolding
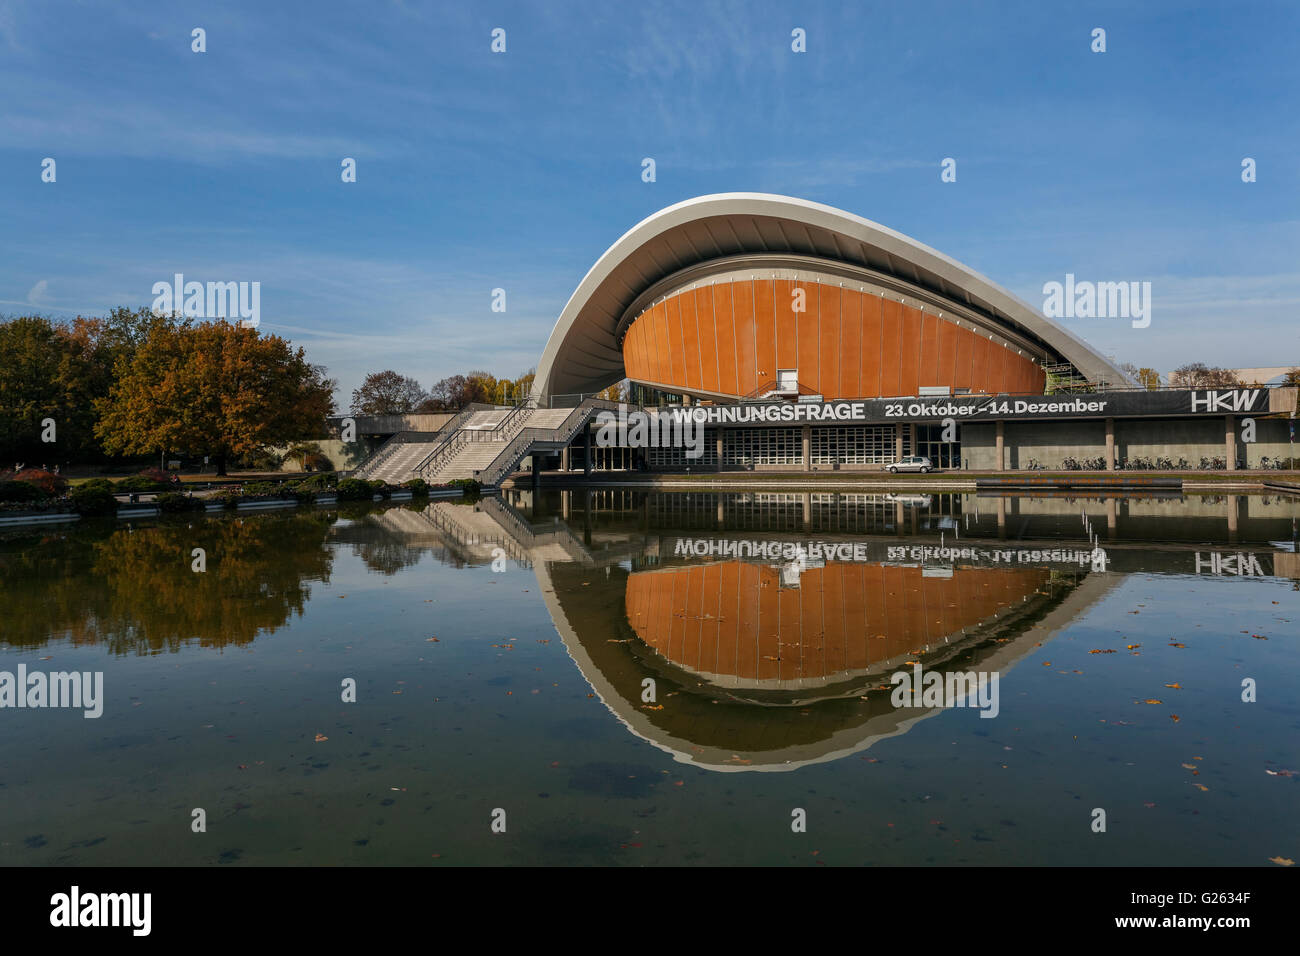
(1065, 378)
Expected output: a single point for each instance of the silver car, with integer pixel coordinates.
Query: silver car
(912, 463)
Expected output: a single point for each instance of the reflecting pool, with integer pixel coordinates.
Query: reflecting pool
(616, 676)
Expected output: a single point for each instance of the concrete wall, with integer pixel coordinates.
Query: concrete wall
(392, 424)
(1051, 443)
(343, 456)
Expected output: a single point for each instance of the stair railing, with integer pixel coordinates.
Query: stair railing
(562, 433)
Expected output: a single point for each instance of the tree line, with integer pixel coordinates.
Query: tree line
(1197, 375)
(391, 393)
(137, 383)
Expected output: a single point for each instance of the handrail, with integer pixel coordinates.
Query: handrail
(800, 388)
(504, 428)
(563, 432)
(435, 460)
(386, 450)
(449, 431)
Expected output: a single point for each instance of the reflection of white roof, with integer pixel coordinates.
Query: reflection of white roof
(583, 353)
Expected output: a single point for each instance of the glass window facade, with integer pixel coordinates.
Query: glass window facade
(856, 445)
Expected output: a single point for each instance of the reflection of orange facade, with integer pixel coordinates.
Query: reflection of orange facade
(735, 619)
(731, 337)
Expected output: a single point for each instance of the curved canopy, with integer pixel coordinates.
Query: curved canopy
(584, 353)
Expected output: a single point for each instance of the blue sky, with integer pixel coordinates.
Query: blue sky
(479, 170)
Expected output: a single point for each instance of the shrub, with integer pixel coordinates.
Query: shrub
(226, 496)
(173, 502)
(47, 481)
(93, 498)
(21, 491)
(298, 490)
(354, 489)
(97, 483)
(254, 489)
(316, 483)
(417, 486)
(469, 485)
(143, 482)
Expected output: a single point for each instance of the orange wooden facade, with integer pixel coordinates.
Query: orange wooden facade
(734, 618)
(730, 338)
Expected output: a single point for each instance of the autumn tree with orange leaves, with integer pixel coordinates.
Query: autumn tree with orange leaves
(212, 388)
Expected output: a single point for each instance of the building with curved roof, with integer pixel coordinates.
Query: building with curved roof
(802, 338)
(741, 295)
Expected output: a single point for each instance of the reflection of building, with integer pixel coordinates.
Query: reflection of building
(739, 625)
(770, 623)
(828, 708)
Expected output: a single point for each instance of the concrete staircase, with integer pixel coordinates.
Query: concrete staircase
(402, 456)
(396, 462)
(482, 443)
(467, 458)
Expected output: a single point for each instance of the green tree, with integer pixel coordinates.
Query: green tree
(214, 388)
(31, 390)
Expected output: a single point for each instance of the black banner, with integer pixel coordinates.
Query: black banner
(975, 408)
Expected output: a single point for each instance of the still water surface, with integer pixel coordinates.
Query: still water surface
(662, 678)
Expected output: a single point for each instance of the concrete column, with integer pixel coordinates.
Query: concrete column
(586, 457)
(564, 458)
(1229, 443)
(807, 448)
(719, 456)
(1110, 444)
(898, 440)
(1001, 453)
(911, 437)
